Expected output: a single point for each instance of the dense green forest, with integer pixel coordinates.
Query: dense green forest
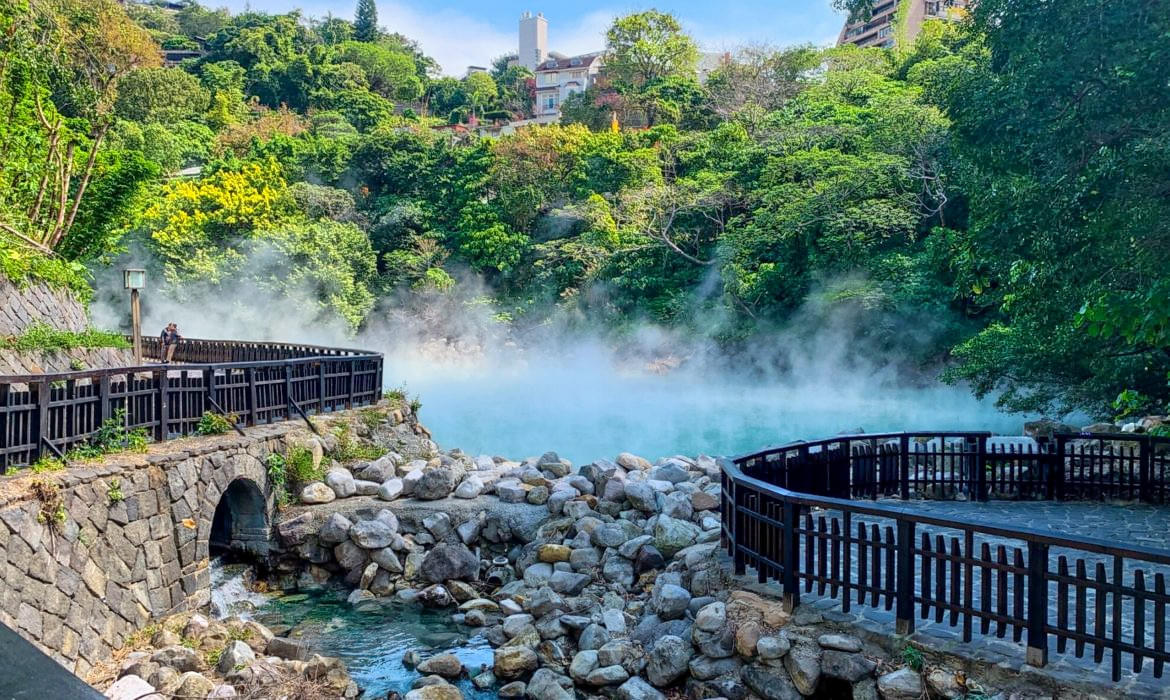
(991, 202)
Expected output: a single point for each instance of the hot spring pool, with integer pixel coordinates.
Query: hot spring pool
(372, 637)
(585, 414)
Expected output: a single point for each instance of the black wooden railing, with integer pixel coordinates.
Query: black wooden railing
(787, 512)
(257, 382)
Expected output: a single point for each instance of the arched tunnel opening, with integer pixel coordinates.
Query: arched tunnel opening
(240, 525)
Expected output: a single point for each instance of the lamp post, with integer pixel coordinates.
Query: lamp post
(134, 280)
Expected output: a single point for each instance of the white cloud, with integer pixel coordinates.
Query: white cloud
(454, 39)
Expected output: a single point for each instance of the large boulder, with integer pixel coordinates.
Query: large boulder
(341, 481)
(672, 535)
(903, 684)
(335, 530)
(445, 665)
(316, 493)
(769, 682)
(668, 660)
(513, 662)
(435, 484)
(449, 561)
(372, 534)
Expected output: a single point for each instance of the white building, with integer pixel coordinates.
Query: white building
(559, 77)
(533, 40)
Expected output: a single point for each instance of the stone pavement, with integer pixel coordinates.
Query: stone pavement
(1133, 525)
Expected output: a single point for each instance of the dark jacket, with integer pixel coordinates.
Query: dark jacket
(170, 337)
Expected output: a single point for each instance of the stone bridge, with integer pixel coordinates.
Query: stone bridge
(132, 538)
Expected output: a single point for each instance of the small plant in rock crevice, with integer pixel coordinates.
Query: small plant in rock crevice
(350, 448)
(277, 468)
(52, 510)
(299, 465)
(114, 491)
(913, 658)
(216, 424)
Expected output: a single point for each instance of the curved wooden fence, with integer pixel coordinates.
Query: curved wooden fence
(257, 382)
(788, 512)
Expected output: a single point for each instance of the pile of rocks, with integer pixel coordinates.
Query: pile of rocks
(190, 656)
(618, 590)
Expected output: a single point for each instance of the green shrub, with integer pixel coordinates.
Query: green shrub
(277, 467)
(113, 436)
(46, 464)
(397, 396)
(215, 424)
(350, 448)
(43, 337)
(415, 405)
(24, 266)
(114, 491)
(300, 466)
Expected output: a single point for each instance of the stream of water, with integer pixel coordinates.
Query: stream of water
(370, 637)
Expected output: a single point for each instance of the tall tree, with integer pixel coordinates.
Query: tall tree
(365, 23)
(648, 46)
(643, 52)
(1066, 133)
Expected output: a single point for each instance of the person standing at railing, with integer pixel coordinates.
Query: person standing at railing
(170, 339)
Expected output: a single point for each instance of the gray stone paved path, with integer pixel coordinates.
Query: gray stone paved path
(1134, 525)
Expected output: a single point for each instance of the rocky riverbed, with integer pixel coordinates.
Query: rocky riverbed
(604, 580)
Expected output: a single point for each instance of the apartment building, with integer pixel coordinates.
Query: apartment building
(885, 28)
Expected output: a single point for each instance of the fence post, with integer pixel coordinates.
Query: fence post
(1058, 470)
(288, 397)
(1037, 651)
(162, 384)
(904, 467)
(981, 469)
(904, 623)
(44, 431)
(1146, 469)
(253, 399)
(791, 556)
(103, 399)
(321, 387)
(352, 377)
(4, 437)
(209, 385)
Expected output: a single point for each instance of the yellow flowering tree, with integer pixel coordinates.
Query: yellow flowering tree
(197, 226)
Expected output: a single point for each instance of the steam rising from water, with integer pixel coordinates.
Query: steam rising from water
(564, 388)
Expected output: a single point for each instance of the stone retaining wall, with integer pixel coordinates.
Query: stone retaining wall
(133, 542)
(23, 308)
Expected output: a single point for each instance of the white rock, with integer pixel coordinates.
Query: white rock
(317, 492)
(390, 489)
(132, 687)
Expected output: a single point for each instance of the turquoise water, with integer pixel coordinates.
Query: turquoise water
(584, 414)
(372, 637)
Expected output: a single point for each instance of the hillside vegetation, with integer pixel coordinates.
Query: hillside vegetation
(993, 200)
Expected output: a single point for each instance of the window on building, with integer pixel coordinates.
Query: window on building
(885, 32)
(550, 104)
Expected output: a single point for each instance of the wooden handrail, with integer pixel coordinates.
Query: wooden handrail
(64, 410)
(770, 498)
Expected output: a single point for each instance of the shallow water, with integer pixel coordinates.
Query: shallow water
(372, 637)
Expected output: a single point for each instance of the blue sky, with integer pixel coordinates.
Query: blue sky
(459, 33)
